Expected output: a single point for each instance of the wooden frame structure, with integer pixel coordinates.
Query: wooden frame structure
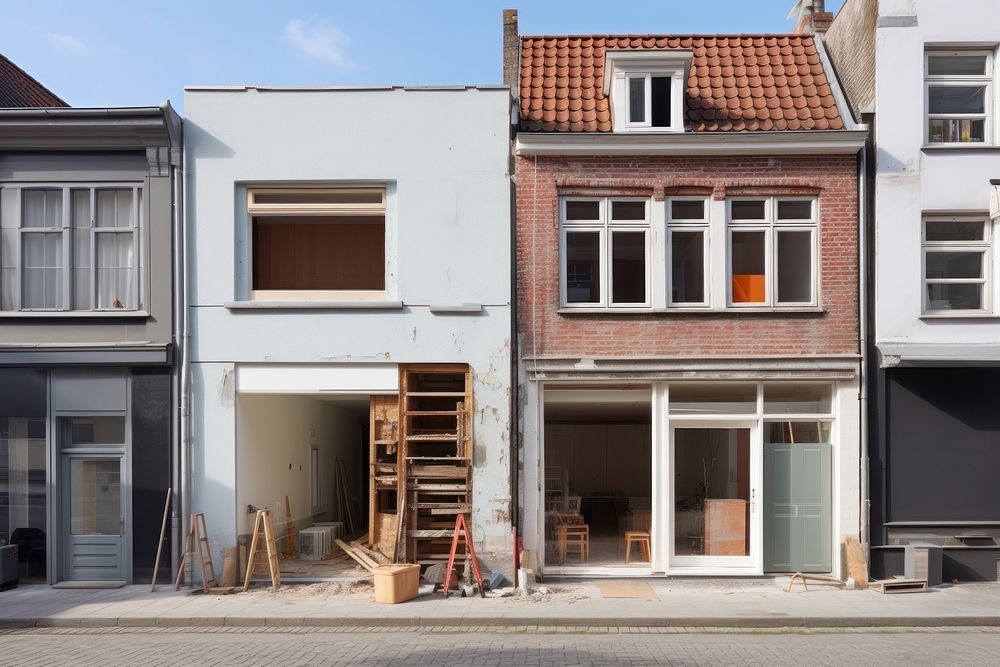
(421, 462)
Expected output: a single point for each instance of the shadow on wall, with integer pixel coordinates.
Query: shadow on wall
(968, 395)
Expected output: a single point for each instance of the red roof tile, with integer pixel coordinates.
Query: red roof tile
(17, 89)
(736, 83)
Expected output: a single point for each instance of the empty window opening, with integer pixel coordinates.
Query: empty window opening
(318, 240)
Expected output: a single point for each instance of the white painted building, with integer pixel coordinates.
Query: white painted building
(924, 74)
(336, 233)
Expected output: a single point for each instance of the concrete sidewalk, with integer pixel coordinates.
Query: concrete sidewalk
(675, 603)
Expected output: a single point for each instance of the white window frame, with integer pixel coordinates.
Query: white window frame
(255, 208)
(67, 230)
(984, 247)
(622, 66)
(605, 227)
(771, 225)
(940, 80)
(689, 225)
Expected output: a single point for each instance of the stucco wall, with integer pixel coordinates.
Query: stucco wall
(443, 157)
(911, 181)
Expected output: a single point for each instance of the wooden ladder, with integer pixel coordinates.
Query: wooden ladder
(263, 529)
(197, 544)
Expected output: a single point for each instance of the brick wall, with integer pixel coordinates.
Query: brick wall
(547, 333)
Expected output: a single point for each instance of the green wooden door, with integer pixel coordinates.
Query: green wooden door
(797, 507)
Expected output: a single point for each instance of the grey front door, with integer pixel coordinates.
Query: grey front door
(797, 507)
(93, 517)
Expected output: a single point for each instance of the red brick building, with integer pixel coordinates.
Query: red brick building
(687, 291)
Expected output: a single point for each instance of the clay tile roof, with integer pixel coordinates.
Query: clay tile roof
(17, 89)
(736, 83)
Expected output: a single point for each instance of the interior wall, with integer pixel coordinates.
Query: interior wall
(602, 458)
(274, 437)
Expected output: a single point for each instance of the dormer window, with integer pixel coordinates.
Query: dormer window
(647, 89)
(649, 100)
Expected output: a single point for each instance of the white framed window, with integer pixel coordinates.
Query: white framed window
(687, 251)
(312, 243)
(772, 251)
(957, 265)
(958, 96)
(647, 89)
(604, 243)
(71, 248)
(649, 99)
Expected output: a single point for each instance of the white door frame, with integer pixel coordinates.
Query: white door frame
(715, 565)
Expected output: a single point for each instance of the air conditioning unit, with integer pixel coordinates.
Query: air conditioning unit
(314, 543)
(336, 529)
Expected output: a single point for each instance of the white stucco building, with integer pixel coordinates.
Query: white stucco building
(336, 234)
(923, 73)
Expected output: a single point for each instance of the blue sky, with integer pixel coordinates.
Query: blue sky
(104, 53)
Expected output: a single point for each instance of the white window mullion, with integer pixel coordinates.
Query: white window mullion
(67, 250)
(19, 253)
(136, 275)
(93, 248)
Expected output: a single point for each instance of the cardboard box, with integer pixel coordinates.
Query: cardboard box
(396, 583)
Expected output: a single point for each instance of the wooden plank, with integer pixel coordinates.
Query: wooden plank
(445, 471)
(430, 533)
(362, 559)
(432, 437)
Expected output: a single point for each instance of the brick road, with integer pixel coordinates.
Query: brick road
(504, 646)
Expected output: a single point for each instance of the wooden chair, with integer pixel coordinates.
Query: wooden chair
(576, 536)
(641, 538)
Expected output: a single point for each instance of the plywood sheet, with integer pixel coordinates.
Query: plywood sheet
(628, 589)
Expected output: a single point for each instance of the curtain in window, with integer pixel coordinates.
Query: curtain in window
(115, 277)
(43, 273)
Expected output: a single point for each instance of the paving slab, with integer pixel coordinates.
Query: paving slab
(680, 603)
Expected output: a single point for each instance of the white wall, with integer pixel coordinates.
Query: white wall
(910, 180)
(443, 155)
(274, 437)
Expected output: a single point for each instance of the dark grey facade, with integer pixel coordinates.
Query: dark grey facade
(89, 203)
(934, 467)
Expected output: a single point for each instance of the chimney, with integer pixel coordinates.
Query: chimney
(511, 52)
(813, 17)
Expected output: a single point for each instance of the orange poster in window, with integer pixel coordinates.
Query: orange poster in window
(748, 288)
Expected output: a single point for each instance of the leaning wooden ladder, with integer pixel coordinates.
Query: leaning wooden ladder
(263, 529)
(196, 544)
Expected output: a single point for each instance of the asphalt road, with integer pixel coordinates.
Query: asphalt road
(554, 646)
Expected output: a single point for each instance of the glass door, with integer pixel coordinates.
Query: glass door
(94, 517)
(715, 479)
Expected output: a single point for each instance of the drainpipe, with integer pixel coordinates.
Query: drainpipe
(180, 442)
(179, 301)
(863, 327)
(185, 362)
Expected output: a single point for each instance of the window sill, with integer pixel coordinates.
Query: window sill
(975, 148)
(960, 316)
(314, 305)
(73, 315)
(690, 311)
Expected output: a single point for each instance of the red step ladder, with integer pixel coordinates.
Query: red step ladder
(462, 532)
